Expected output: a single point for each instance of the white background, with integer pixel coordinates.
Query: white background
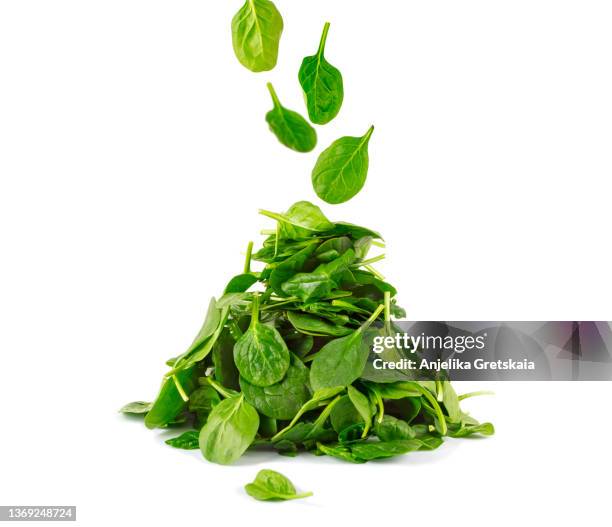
(133, 158)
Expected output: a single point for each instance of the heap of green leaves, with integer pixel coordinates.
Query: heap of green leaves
(282, 357)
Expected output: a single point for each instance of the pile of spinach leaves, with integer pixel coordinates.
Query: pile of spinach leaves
(280, 360)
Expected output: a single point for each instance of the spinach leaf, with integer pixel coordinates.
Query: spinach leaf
(322, 85)
(451, 401)
(271, 485)
(311, 325)
(240, 283)
(309, 286)
(202, 401)
(342, 228)
(363, 451)
(256, 33)
(289, 127)
(205, 340)
(362, 404)
(322, 281)
(337, 246)
(392, 428)
(289, 267)
(370, 450)
(396, 390)
(342, 168)
(223, 360)
(318, 398)
(267, 426)
(188, 440)
(170, 402)
(209, 326)
(303, 219)
(466, 430)
(261, 355)
(229, 431)
(341, 361)
(345, 415)
(284, 399)
(136, 408)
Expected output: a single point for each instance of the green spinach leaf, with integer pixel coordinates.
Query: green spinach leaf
(261, 355)
(256, 33)
(229, 431)
(289, 127)
(136, 408)
(322, 85)
(302, 220)
(341, 361)
(315, 326)
(342, 168)
(271, 485)
(170, 402)
(188, 440)
(392, 428)
(284, 399)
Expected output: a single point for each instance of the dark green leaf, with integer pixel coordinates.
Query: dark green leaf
(344, 414)
(169, 402)
(341, 361)
(240, 283)
(187, 440)
(322, 85)
(316, 326)
(289, 127)
(290, 267)
(284, 399)
(392, 428)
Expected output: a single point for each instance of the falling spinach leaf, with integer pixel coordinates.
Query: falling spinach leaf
(342, 168)
(229, 431)
(256, 33)
(322, 85)
(289, 127)
(271, 485)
